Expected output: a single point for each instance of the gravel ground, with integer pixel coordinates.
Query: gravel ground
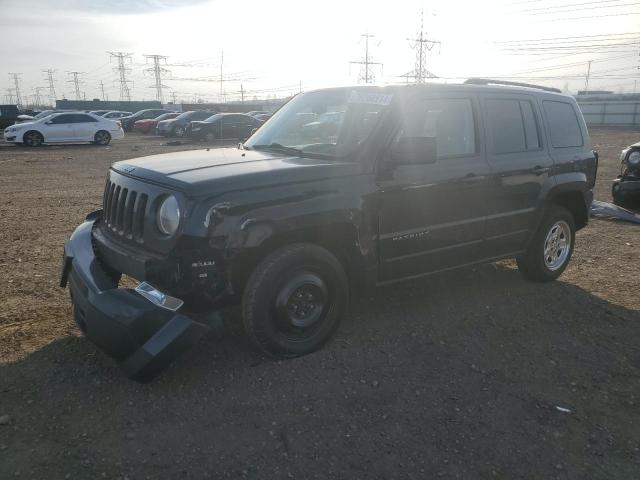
(471, 374)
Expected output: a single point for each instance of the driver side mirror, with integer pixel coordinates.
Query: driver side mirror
(414, 150)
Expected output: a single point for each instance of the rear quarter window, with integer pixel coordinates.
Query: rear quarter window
(563, 124)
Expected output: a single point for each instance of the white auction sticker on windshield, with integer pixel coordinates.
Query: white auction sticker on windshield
(370, 98)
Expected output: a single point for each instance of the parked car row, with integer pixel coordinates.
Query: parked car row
(64, 127)
(82, 126)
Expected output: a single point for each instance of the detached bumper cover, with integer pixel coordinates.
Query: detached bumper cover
(626, 187)
(142, 336)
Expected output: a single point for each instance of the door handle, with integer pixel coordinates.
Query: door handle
(539, 170)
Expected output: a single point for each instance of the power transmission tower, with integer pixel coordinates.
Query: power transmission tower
(368, 76)
(122, 70)
(422, 45)
(104, 97)
(52, 88)
(76, 83)
(586, 80)
(222, 95)
(37, 91)
(173, 98)
(158, 73)
(9, 95)
(16, 83)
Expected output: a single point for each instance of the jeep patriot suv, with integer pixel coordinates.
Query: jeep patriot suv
(407, 181)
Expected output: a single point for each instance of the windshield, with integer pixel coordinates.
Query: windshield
(46, 113)
(212, 118)
(328, 122)
(185, 115)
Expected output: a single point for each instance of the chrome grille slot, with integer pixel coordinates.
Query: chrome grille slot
(138, 222)
(124, 211)
(120, 211)
(128, 214)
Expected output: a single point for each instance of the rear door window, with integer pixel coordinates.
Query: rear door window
(531, 134)
(512, 124)
(563, 124)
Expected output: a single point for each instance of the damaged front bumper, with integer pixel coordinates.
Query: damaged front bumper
(134, 327)
(626, 187)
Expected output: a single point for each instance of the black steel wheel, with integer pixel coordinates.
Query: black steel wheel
(102, 137)
(294, 300)
(33, 139)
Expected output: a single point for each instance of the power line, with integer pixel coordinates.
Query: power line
(570, 7)
(158, 73)
(366, 62)
(122, 71)
(553, 39)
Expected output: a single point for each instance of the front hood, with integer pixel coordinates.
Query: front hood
(22, 124)
(206, 172)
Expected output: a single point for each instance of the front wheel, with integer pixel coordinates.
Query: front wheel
(551, 247)
(102, 138)
(33, 139)
(179, 132)
(294, 300)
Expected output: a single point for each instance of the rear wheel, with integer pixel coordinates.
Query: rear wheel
(551, 247)
(102, 138)
(294, 300)
(33, 139)
(179, 132)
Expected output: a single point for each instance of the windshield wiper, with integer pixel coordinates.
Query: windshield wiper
(278, 147)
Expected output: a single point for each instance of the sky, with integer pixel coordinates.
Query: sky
(279, 47)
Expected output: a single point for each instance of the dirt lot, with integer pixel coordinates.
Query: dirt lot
(456, 376)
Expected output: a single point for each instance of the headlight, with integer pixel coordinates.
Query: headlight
(634, 158)
(169, 215)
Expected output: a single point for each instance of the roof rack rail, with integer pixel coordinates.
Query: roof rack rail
(489, 81)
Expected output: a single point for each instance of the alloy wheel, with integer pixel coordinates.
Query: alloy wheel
(557, 245)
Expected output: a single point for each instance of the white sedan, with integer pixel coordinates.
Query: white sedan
(63, 128)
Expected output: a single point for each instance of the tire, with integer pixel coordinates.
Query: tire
(102, 137)
(179, 132)
(556, 234)
(294, 300)
(33, 139)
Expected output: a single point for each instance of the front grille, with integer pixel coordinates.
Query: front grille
(124, 210)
